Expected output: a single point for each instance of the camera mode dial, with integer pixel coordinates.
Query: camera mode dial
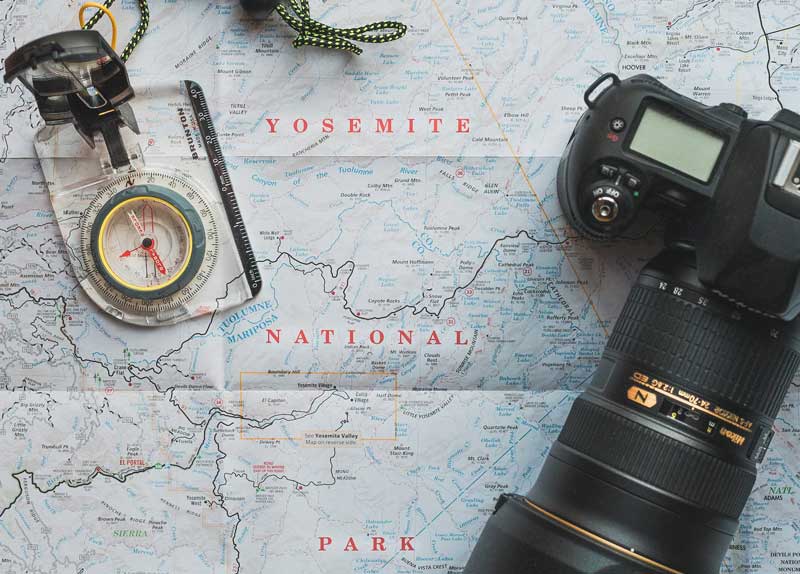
(608, 206)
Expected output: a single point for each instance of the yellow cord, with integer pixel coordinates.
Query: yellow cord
(108, 13)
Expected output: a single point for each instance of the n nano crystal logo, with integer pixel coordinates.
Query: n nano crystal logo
(642, 397)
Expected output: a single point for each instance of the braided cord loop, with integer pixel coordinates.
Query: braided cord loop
(314, 33)
(144, 22)
(97, 15)
(141, 28)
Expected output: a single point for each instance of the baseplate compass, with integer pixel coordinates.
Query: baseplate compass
(160, 237)
(157, 244)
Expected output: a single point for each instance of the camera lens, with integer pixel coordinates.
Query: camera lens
(658, 457)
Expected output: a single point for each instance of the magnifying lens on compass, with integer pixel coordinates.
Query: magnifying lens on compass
(148, 242)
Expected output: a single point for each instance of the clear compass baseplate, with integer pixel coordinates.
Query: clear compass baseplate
(150, 243)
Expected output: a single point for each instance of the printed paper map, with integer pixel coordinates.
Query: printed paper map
(427, 315)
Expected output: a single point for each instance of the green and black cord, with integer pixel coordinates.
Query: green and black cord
(310, 32)
(313, 33)
(144, 22)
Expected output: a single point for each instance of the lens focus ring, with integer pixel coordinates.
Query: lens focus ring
(709, 353)
(657, 459)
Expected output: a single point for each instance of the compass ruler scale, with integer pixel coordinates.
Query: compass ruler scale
(220, 168)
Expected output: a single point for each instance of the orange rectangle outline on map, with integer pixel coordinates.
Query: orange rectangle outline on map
(395, 392)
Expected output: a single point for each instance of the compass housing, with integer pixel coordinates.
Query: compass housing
(183, 228)
(196, 245)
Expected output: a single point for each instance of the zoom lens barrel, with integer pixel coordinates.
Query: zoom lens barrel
(658, 457)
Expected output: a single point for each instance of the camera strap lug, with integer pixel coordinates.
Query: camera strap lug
(615, 81)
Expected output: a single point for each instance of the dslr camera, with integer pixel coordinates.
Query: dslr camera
(657, 459)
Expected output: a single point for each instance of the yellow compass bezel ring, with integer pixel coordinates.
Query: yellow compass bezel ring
(188, 217)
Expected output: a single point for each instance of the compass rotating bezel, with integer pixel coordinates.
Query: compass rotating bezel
(194, 227)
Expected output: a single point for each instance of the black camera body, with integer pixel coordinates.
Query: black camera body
(658, 456)
(734, 184)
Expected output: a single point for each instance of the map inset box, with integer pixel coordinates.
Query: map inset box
(318, 409)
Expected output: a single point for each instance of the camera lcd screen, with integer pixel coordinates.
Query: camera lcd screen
(677, 144)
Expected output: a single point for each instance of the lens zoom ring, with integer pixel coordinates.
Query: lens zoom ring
(703, 351)
(656, 459)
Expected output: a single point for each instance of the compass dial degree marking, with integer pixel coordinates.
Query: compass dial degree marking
(178, 195)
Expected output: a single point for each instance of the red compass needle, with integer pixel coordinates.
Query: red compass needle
(156, 259)
(130, 252)
(137, 225)
(147, 243)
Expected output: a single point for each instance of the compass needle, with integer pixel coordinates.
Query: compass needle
(157, 260)
(169, 234)
(136, 223)
(130, 252)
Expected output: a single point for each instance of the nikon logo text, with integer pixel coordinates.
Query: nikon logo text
(735, 438)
